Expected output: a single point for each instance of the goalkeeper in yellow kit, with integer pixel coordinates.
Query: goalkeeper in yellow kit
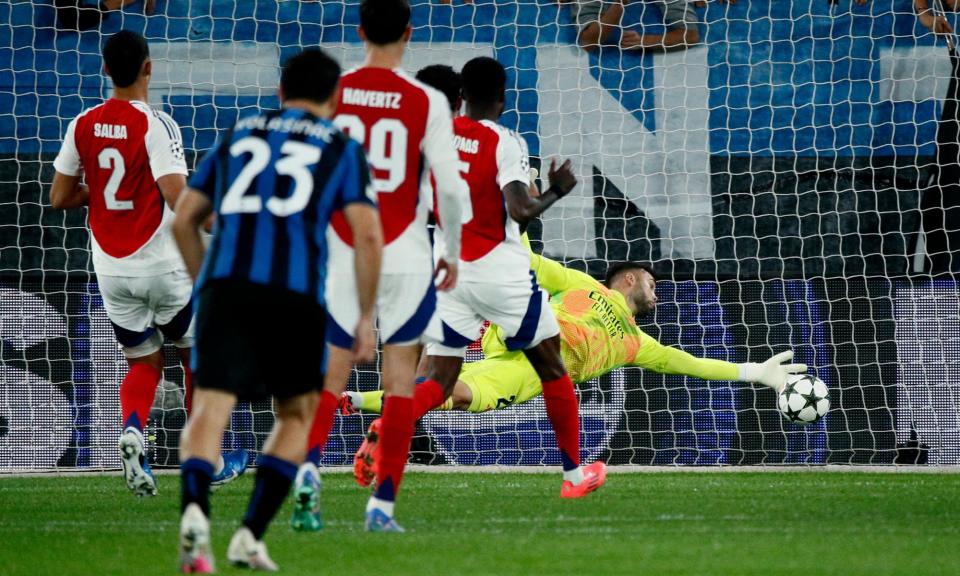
(598, 332)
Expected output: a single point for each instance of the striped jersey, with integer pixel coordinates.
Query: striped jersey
(275, 179)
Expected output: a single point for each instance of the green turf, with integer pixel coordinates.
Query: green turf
(674, 523)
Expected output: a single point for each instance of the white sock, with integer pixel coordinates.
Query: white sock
(219, 467)
(384, 506)
(575, 476)
(356, 399)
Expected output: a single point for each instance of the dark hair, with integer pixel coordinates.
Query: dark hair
(384, 21)
(618, 269)
(124, 54)
(484, 81)
(443, 78)
(310, 75)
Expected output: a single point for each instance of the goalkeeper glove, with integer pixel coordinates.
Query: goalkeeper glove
(772, 373)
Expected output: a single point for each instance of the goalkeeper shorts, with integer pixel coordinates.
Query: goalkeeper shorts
(501, 382)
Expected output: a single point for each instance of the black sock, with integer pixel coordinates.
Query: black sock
(195, 475)
(274, 477)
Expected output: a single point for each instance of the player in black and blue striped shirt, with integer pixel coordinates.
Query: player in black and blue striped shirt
(272, 183)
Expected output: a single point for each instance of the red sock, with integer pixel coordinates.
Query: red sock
(394, 446)
(427, 396)
(188, 389)
(322, 423)
(561, 403)
(136, 394)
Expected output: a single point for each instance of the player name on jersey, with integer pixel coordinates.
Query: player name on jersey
(290, 125)
(466, 145)
(371, 98)
(114, 131)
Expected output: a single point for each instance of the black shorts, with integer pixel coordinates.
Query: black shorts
(258, 341)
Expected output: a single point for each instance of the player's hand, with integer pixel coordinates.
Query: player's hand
(630, 39)
(365, 341)
(449, 280)
(773, 373)
(937, 24)
(562, 178)
(533, 191)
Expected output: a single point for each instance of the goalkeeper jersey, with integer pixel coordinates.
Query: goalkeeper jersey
(599, 332)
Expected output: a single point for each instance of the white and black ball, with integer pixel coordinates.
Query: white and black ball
(804, 400)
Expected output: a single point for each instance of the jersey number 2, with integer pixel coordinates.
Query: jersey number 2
(112, 159)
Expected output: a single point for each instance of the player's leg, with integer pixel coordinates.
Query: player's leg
(455, 325)
(172, 302)
(342, 316)
(536, 332)
(406, 304)
(343, 313)
(199, 452)
(277, 468)
(131, 316)
(307, 484)
(562, 410)
(393, 435)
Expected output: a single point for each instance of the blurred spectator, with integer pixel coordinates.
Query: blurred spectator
(81, 15)
(932, 22)
(599, 20)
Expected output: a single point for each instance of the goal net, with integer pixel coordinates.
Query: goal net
(792, 173)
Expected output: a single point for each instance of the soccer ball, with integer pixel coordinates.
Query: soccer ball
(804, 400)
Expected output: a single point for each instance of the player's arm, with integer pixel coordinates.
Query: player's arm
(67, 190)
(554, 277)
(194, 206)
(359, 208)
(443, 160)
(523, 207)
(656, 357)
(167, 163)
(192, 209)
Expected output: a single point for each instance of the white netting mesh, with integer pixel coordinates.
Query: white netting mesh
(777, 173)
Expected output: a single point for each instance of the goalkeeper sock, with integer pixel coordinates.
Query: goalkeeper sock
(195, 475)
(396, 430)
(367, 401)
(428, 395)
(322, 424)
(561, 403)
(274, 478)
(136, 394)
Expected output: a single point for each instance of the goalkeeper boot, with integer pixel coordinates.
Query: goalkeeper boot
(594, 476)
(136, 469)
(195, 555)
(364, 466)
(378, 521)
(234, 465)
(306, 504)
(248, 552)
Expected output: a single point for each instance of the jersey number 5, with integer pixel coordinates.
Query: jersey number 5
(297, 162)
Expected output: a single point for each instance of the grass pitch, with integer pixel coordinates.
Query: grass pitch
(760, 523)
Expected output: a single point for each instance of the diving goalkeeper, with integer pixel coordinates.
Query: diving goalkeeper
(598, 332)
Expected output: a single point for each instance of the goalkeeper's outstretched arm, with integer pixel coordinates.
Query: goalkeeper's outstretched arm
(668, 360)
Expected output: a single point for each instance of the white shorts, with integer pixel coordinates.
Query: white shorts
(145, 309)
(519, 307)
(406, 309)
